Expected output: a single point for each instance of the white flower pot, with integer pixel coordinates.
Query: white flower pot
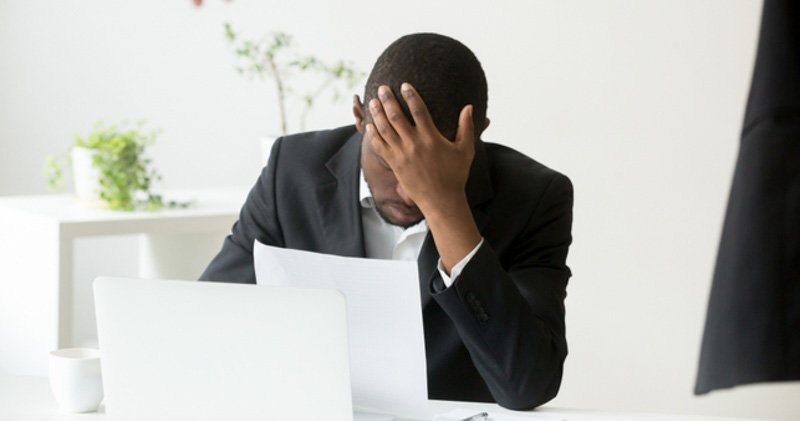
(86, 178)
(266, 147)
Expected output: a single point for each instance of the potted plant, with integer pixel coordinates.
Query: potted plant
(272, 56)
(110, 169)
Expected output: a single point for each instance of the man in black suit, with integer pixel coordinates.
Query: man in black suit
(488, 226)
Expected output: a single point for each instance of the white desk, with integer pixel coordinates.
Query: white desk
(36, 260)
(28, 398)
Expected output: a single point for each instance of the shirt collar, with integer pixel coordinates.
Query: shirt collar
(364, 194)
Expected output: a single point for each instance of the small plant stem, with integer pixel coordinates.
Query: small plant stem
(281, 95)
(311, 99)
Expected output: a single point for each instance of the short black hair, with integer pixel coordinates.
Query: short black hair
(444, 71)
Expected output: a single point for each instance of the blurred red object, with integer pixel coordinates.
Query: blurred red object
(199, 3)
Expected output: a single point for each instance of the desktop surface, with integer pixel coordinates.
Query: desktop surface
(28, 398)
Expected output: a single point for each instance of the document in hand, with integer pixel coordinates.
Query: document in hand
(384, 321)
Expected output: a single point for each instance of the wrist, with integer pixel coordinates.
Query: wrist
(454, 231)
(444, 207)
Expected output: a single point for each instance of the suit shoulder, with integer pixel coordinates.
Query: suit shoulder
(315, 146)
(509, 166)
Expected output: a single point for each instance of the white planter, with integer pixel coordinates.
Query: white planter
(86, 178)
(266, 147)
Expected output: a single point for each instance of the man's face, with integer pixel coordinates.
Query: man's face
(392, 203)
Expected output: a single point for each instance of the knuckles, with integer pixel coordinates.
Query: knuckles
(419, 112)
(393, 116)
(384, 131)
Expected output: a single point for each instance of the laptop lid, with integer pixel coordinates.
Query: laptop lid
(210, 351)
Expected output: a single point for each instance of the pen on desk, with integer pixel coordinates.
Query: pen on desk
(476, 417)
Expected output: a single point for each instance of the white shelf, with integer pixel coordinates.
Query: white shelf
(36, 259)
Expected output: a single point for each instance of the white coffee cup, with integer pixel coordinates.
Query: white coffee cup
(75, 379)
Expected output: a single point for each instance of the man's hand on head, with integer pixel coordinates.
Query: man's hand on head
(431, 170)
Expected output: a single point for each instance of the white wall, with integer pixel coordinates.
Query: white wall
(639, 102)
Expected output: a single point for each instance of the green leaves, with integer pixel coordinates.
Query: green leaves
(125, 173)
(229, 33)
(52, 172)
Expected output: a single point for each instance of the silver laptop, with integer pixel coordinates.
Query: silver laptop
(210, 351)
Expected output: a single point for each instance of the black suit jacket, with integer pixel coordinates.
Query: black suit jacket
(752, 331)
(497, 334)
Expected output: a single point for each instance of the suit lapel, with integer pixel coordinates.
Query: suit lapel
(338, 203)
(479, 190)
(340, 210)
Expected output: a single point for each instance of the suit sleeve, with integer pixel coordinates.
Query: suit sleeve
(510, 315)
(258, 219)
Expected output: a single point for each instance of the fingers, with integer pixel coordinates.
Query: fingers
(378, 144)
(419, 111)
(392, 113)
(392, 126)
(382, 122)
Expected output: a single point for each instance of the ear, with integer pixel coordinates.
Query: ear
(358, 113)
(479, 130)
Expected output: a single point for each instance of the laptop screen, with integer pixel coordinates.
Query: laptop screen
(202, 350)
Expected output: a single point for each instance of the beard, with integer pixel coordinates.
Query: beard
(384, 208)
(384, 212)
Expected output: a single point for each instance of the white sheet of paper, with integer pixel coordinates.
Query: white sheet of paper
(384, 321)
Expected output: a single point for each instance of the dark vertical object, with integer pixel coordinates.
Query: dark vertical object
(752, 331)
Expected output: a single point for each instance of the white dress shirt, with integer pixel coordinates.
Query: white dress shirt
(383, 240)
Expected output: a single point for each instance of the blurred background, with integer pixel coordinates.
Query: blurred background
(639, 103)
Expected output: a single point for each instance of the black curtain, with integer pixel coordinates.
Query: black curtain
(752, 331)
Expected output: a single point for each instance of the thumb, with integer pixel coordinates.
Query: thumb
(466, 128)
